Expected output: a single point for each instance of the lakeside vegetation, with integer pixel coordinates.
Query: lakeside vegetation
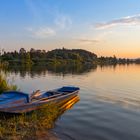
(59, 57)
(5, 85)
(28, 126)
(35, 125)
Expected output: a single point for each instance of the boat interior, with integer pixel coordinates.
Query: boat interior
(38, 95)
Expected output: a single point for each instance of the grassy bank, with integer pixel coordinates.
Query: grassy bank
(25, 126)
(34, 125)
(28, 126)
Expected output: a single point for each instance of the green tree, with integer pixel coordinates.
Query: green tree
(28, 58)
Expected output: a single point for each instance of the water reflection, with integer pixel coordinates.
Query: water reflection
(68, 104)
(112, 82)
(62, 70)
(59, 70)
(109, 98)
(126, 102)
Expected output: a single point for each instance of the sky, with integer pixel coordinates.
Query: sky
(105, 27)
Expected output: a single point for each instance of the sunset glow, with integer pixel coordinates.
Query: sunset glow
(106, 28)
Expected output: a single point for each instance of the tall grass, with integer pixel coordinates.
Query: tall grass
(28, 126)
(34, 125)
(5, 85)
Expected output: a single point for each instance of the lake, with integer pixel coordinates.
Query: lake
(109, 106)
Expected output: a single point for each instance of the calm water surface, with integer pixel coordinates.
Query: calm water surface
(109, 106)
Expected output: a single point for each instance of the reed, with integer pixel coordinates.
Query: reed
(5, 85)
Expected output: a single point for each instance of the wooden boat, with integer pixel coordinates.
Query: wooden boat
(20, 102)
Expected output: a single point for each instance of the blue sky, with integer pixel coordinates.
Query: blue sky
(106, 27)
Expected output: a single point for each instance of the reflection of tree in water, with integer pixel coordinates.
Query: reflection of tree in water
(34, 71)
(71, 69)
(114, 66)
(31, 71)
(110, 66)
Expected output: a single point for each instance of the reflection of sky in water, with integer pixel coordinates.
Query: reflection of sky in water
(118, 84)
(109, 101)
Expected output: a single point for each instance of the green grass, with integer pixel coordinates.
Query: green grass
(5, 85)
(27, 126)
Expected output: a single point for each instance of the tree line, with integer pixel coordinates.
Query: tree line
(59, 56)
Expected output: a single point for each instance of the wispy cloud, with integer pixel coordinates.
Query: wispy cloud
(34, 9)
(42, 33)
(62, 21)
(55, 22)
(88, 40)
(129, 20)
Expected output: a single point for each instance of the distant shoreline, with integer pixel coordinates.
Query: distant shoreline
(59, 57)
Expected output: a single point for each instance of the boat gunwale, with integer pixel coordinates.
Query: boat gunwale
(37, 103)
